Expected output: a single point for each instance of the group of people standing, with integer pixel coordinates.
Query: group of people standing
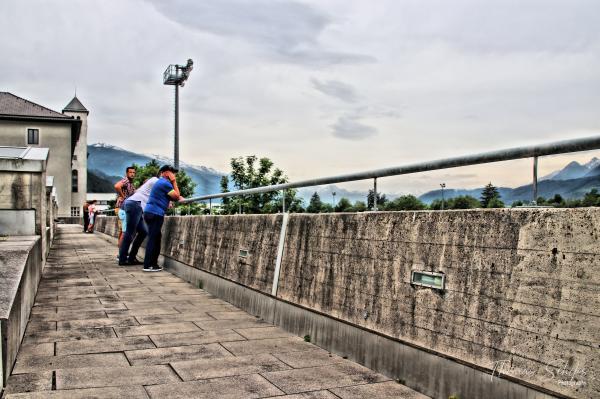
(141, 214)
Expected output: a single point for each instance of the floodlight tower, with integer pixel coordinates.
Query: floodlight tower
(176, 75)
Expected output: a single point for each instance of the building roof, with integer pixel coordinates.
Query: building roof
(23, 159)
(14, 106)
(75, 106)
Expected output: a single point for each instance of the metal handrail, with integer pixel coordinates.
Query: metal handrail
(553, 148)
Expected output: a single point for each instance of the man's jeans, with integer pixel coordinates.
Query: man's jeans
(154, 223)
(134, 224)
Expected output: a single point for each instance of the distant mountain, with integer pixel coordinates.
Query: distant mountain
(98, 182)
(326, 194)
(572, 181)
(574, 170)
(105, 160)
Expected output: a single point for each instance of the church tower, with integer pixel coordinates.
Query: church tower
(79, 160)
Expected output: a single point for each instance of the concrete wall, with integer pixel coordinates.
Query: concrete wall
(20, 272)
(57, 137)
(521, 296)
(26, 191)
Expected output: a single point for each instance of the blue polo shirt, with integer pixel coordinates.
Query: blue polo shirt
(158, 202)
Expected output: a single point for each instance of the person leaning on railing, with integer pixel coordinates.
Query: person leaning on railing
(163, 192)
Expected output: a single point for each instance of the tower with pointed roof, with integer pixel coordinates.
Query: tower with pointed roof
(76, 110)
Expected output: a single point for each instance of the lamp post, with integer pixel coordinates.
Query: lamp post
(333, 200)
(443, 185)
(176, 75)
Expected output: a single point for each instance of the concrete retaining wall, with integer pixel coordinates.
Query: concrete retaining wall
(20, 273)
(521, 297)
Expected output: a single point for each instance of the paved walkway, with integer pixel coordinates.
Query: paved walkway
(103, 331)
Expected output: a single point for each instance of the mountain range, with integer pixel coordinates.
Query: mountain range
(106, 163)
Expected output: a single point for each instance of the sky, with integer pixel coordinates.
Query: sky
(320, 87)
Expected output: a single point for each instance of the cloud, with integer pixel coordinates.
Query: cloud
(285, 31)
(348, 127)
(336, 89)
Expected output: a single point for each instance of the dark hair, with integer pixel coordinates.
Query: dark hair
(167, 168)
(130, 167)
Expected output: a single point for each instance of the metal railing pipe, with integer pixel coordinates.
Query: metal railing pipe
(554, 148)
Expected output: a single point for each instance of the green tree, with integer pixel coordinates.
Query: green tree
(359, 206)
(489, 193)
(381, 200)
(344, 205)
(495, 203)
(517, 203)
(405, 203)
(315, 205)
(464, 202)
(184, 182)
(591, 198)
(251, 172)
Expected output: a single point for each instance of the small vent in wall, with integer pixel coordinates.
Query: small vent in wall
(243, 253)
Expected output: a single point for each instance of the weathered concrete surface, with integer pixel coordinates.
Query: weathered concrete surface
(20, 272)
(181, 354)
(521, 295)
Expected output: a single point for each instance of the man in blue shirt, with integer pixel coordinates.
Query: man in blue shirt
(163, 192)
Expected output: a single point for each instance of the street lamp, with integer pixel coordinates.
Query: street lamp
(443, 185)
(333, 200)
(176, 75)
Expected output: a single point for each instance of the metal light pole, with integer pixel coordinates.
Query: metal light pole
(333, 200)
(176, 75)
(443, 185)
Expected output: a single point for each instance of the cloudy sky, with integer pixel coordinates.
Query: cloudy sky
(320, 87)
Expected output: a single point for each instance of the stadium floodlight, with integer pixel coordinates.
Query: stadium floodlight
(176, 75)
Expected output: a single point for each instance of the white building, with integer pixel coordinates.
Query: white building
(26, 124)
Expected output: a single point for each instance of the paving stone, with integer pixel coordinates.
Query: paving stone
(68, 335)
(129, 392)
(29, 382)
(324, 377)
(34, 349)
(69, 316)
(44, 363)
(225, 324)
(103, 345)
(40, 326)
(197, 337)
(309, 358)
(263, 332)
(173, 318)
(96, 323)
(156, 329)
(141, 312)
(267, 346)
(239, 387)
(311, 395)
(383, 390)
(176, 354)
(227, 366)
(94, 377)
(239, 315)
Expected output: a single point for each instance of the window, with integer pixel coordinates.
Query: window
(33, 136)
(74, 181)
(428, 279)
(75, 211)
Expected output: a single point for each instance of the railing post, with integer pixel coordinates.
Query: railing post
(210, 206)
(375, 194)
(283, 200)
(535, 179)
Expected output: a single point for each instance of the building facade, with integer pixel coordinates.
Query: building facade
(26, 124)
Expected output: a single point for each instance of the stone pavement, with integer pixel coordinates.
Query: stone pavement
(98, 330)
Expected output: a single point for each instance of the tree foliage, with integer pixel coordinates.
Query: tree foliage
(405, 203)
(490, 197)
(381, 200)
(251, 172)
(184, 182)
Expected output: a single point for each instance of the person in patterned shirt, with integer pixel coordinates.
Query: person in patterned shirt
(124, 189)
